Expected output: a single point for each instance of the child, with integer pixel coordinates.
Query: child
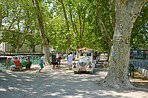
(41, 62)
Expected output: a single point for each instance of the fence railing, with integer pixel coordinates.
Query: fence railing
(140, 63)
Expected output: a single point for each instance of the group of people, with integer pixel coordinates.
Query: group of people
(27, 63)
(70, 58)
(17, 64)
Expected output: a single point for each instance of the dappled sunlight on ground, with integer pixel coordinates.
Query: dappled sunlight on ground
(59, 83)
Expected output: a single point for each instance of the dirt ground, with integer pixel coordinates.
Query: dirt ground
(63, 83)
(139, 79)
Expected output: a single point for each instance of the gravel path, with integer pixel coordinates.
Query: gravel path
(60, 83)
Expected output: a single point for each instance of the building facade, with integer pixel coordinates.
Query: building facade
(24, 49)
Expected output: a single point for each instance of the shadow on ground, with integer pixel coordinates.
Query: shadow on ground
(58, 83)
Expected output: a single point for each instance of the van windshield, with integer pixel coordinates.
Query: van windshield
(85, 53)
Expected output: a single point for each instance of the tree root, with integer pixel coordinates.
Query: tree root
(116, 84)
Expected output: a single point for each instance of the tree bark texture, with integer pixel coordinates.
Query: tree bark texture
(0, 24)
(1, 17)
(73, 27)
(42, 33)
(112, 14)
(81, 28)
(126, 14)
(0, 20)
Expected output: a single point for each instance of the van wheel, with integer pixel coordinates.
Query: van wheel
(91, 72)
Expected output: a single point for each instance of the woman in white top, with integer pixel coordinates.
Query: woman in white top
(70, 58)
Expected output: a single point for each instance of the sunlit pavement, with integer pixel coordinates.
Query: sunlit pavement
(58, 83)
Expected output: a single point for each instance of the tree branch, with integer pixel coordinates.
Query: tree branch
(65, 15)
(83, 22)
(79, 24)
(72, 22)
(112, 13)
(13, 20)
(102, 26)
(39, 17)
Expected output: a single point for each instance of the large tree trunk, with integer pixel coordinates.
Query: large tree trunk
(46, 50)
(17, 49)
(33, 48)
(126, 14)
(42, 33)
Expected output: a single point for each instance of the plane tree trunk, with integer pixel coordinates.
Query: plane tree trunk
(126, 14)
(45, 41)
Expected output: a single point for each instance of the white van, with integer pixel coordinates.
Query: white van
(85, 61)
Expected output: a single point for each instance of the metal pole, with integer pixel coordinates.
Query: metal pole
(133, 71)
(130, 69)
(4, 48)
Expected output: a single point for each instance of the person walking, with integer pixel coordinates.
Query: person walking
(70, 58)
(42, 63)
(58, 58)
